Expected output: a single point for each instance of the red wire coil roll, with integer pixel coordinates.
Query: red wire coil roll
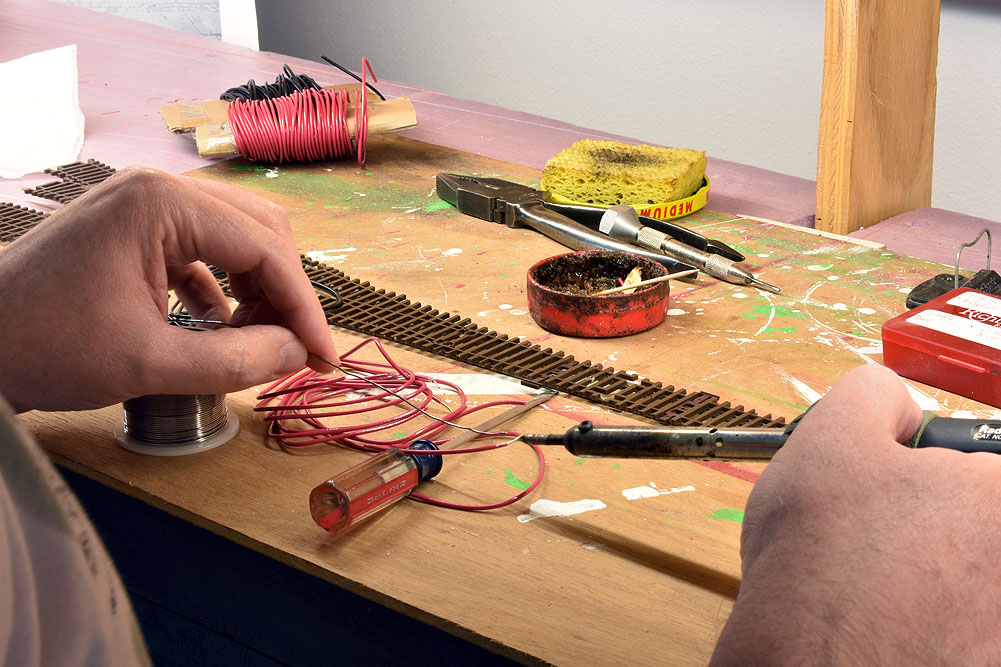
(297, 405)
(306, 126)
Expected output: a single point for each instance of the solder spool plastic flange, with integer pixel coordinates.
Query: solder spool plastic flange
(197, 442)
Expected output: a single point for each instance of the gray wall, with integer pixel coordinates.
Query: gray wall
(738, 78)
(200, 17)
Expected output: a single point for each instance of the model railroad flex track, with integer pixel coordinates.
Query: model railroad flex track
(390, 316)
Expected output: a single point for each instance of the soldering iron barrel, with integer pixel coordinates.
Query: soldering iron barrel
(585, 439)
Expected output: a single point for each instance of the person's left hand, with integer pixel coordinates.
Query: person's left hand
(84, 296)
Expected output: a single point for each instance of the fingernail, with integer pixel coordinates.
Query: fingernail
(291, 357)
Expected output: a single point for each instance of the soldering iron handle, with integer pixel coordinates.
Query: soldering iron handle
(962, 435)
(655, 442)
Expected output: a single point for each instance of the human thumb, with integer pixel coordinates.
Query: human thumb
(229, 359)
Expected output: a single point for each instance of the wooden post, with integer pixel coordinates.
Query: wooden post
(877, 111)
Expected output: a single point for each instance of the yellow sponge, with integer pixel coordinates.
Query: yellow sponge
(610, 172)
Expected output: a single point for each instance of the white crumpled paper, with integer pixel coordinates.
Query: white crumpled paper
(41, 124)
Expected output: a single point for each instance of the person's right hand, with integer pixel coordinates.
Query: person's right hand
(84, 296)
(857, 550)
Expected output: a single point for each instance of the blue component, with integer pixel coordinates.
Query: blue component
(428, 465)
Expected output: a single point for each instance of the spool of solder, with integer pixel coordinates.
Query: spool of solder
(174, 425)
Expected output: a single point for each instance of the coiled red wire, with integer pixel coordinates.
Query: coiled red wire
(306, 126)
(297, 405)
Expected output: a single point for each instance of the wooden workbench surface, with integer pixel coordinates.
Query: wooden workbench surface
(648, 574)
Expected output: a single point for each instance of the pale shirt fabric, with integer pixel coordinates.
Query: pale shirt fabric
(61, 600)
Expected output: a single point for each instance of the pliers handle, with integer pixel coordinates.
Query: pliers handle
(575, 226)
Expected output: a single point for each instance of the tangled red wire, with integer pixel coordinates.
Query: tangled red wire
(301, 407)
(306, 126)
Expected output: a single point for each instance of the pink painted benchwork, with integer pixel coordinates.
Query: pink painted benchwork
(128, 69)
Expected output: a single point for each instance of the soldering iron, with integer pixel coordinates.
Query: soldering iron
(747, 444)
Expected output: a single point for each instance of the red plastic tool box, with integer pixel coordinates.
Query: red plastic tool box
(952, 342)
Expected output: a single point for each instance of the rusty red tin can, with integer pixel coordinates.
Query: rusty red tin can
(560, 302)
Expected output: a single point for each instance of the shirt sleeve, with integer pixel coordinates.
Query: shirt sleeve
(61, 600)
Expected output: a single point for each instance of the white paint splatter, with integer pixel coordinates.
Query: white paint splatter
(832, 277)
(483, 312)
(763, 254)
(804, 389)
(547, 508)
(924, 401)
(650, 492)
(768, 322)
(977, 414)
(480, 384)
(518, 311)
(839, 306)
(739, 295)
(904, 290)
(867, 311)
(272, 173)
(872, 349)
(326, 255)
(675, 311)
(819, 267)
(505, 306)
(451, 252)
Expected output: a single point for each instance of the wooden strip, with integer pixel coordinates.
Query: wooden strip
(877, 116)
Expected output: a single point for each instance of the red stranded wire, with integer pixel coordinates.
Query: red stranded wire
(361, 110)
(306, 126)
(296, 406)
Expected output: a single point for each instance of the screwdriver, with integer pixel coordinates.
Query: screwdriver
(357, 493)
(622, 222)
(747, 444)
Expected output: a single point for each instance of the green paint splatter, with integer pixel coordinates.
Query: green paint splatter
(399, 434)
(309, 203)
(502, 275)
(511, 480)
(328, 206)
(787, 330)
(780, 311)
(579, 462)
(728, 515)
(747, 315)
(616, 466)
(436, 206)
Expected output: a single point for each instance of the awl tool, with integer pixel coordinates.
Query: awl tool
(744, 444)
(622, 222)
(575, 226)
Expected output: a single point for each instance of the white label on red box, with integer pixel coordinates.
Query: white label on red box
(960, 327)
(978, 301)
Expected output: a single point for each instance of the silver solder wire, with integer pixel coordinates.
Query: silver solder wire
(175, 419)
